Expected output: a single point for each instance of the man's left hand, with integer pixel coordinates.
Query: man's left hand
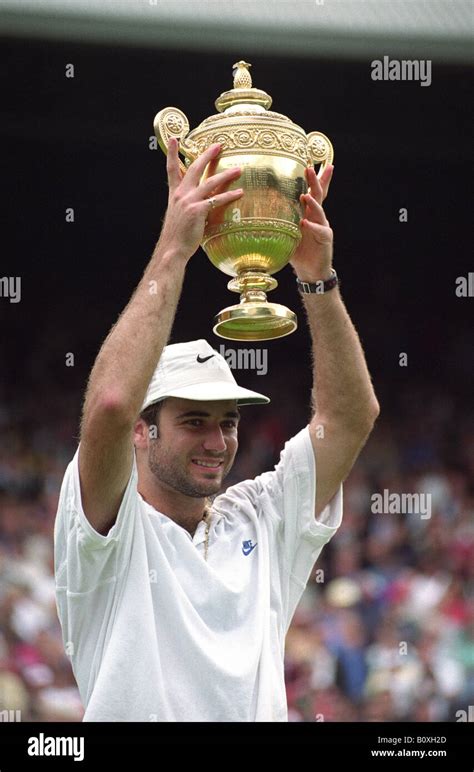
(312, 260)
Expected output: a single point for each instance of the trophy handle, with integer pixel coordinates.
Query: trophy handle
(320, 150)
(172, 123)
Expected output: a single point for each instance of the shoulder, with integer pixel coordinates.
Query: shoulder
(296, 462)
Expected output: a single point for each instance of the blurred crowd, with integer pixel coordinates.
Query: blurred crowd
(385, 628)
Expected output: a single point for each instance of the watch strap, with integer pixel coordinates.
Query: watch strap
(318, 287)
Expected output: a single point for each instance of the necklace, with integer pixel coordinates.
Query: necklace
(207, 519)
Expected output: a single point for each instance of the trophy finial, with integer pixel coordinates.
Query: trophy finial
(242, 77)
(243, 92)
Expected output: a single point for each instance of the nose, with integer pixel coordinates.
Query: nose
(214, 440)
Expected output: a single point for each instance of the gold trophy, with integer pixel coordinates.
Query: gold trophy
(254, 237)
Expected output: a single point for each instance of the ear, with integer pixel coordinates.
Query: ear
(140, 434)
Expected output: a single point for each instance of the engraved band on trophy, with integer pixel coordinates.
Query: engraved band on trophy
(254, 237)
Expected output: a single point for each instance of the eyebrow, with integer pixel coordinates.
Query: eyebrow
(203, 414)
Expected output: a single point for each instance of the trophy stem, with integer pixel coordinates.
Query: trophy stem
(253, 296)
(257, 281)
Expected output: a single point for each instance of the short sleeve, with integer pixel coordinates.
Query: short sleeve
(302, 535)
(85, 558)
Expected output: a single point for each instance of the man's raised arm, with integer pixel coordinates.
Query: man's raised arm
(128, 357)
(344, 403)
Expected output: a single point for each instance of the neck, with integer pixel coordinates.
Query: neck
(186, 511)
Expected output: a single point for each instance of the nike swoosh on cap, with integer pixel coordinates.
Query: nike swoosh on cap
(203, 359)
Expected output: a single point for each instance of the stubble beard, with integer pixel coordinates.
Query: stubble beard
(166, 469)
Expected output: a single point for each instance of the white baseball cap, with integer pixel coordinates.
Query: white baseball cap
(194, 370)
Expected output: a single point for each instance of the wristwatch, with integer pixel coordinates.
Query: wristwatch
(318, 287)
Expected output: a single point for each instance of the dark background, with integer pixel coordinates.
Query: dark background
(83, 142)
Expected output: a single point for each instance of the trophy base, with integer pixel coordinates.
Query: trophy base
(255, 320)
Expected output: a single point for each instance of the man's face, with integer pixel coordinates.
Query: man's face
(196, 446)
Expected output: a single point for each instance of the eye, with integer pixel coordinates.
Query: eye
(194, 422)
(230, 424)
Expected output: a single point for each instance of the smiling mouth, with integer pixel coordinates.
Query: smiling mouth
(207, 463)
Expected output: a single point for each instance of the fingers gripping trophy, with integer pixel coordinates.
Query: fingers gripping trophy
(255, 237)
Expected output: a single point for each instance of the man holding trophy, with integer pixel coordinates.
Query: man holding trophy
(175, 598)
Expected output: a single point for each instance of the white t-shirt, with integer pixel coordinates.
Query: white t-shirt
(154, 632)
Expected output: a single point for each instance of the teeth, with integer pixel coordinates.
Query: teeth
(209, 464)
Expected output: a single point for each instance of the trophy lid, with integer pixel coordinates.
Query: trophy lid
(243, 92)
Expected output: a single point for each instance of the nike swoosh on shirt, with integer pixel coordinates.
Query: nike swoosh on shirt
(203, 359)
(248, 549)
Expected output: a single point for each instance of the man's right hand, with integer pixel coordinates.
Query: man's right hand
(188, 204)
